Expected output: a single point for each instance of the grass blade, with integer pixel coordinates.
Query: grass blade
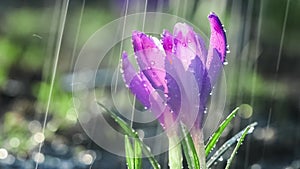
(137, 154)
(189, 150)
(215, 137)
(229, 143)
(229, 161)
(129, 153)
(132, 133)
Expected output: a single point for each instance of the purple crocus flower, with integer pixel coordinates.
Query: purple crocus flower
(170, 65)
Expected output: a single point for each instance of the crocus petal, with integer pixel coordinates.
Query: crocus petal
(215, 67)
(202, 50)
(167, 42)
(183, 93)
(217, 39)
(150, 57)
(136, 82)
(204, 85)
(173, 95)
(185, 43)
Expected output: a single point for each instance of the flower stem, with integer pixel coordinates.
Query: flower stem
(175, 154)
(200, 146)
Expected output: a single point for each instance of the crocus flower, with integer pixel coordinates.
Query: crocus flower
(168, 65)
(176, 76)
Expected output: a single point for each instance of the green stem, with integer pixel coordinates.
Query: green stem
(200, 147)
(175, 154)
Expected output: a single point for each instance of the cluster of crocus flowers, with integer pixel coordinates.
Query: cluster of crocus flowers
(182, 52)
(176, 73)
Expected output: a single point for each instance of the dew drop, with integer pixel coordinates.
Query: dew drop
(121, 70)
(175, 41)
(152, 62)
(221, 158)
(251, 129)
(144, 84)
(184, 44)
(228, 51)
(166, 95)
(225, 63)
(146, 108)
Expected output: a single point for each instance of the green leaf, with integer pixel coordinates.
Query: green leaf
(215, 137)
(229, 161)
(229, 143)
(132, 133)
(189, 150)
(129, 153)
(137, 154)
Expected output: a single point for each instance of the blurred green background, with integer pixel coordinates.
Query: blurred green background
(263, 71)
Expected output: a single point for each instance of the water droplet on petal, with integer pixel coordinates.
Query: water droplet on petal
(145, 107)
(225, 63)
(175, 41)
(152, 62)
(144, 84)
